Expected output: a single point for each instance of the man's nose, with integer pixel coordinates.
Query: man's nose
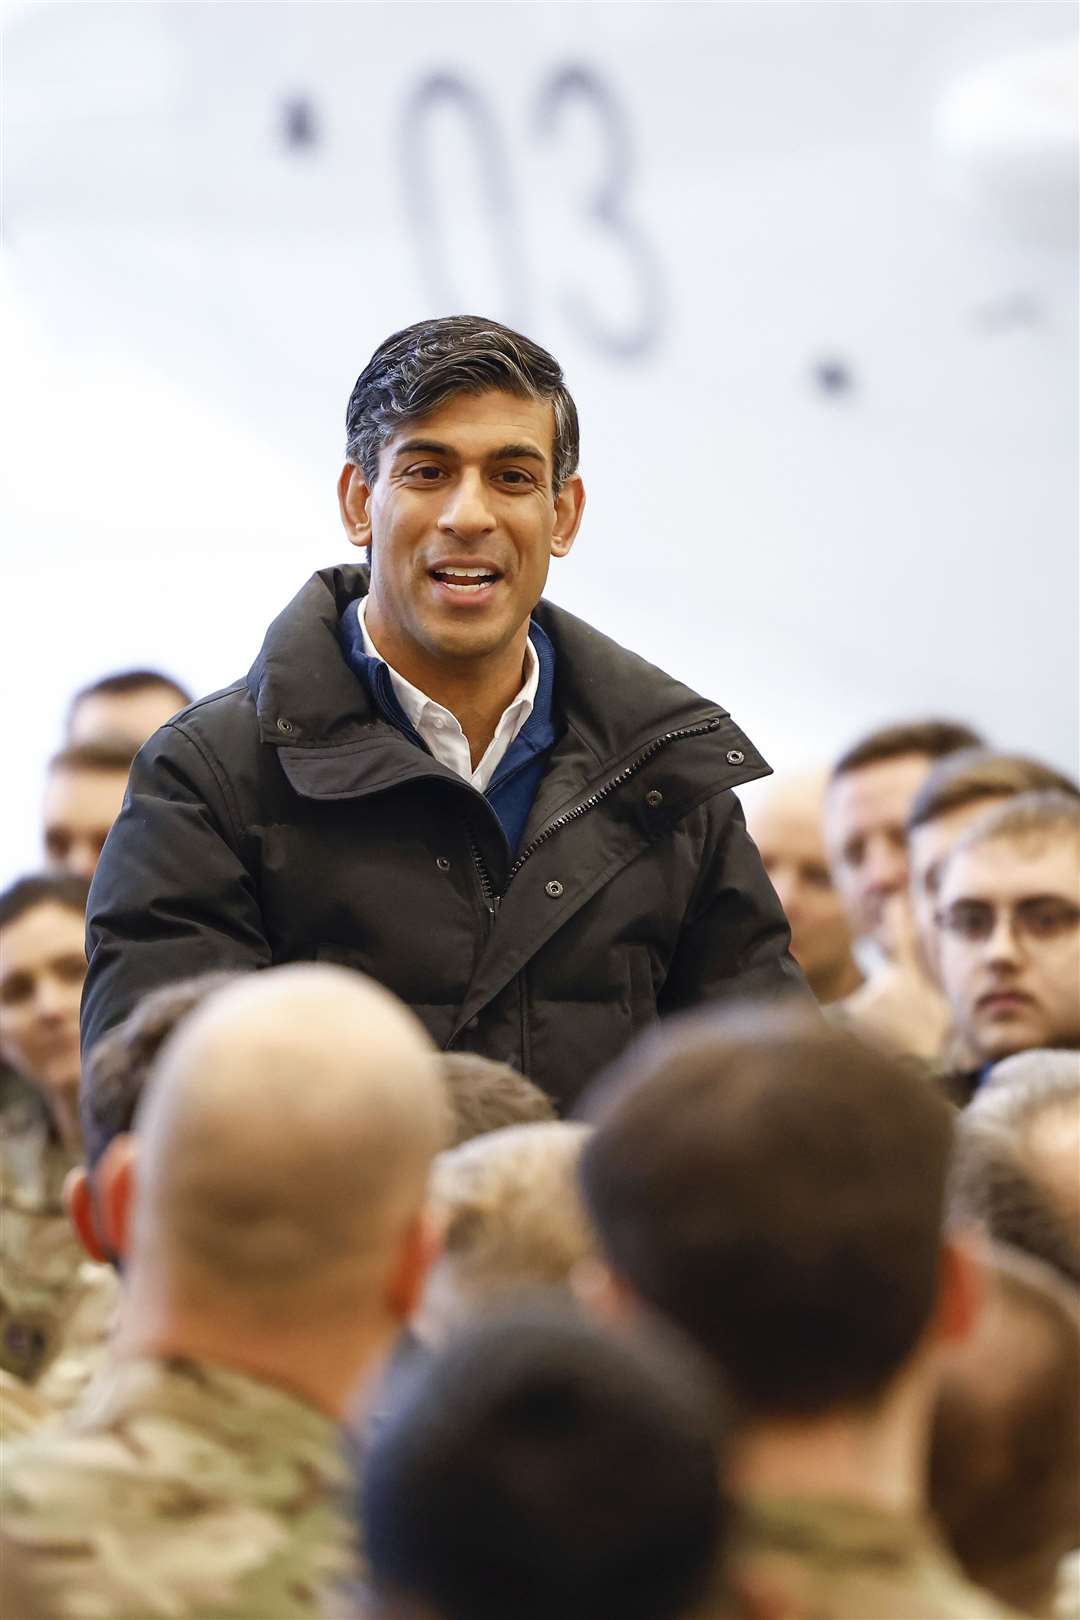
(885, 867)
(1001, 945)
(52, 1000)
(467, 507)
(82, 857)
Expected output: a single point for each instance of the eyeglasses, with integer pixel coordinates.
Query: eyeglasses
(1042, 917)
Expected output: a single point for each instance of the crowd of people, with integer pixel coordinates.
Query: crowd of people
(575, 1263)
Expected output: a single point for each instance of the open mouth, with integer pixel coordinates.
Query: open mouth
(467, 581)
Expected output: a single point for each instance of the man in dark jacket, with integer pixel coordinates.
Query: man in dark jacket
(431, 774)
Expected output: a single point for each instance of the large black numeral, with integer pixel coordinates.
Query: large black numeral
(445, 90)
(607, 208)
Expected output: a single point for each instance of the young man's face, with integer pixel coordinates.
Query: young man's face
(42, 967)
(1010, 945)
(81, 805)
(865, 815)
(928, 846)
(462, 524)
(787, 831)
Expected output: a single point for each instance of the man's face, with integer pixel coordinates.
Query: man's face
(787, 831)
(1019, 986)
(462, 524)
(42, 967)
(80, 807)
(134, 716)
(865, 814)
(928, 846)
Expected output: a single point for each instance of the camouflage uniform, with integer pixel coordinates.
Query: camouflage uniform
(184, 1489)
(835, 1559)
(55, 1304)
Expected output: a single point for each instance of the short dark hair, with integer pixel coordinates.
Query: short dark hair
(126, 681)
(975, 774)
(934, 738)
(538, 1468)
(43, 888)
(990, 1186)
(118, 1066)
(486, 1096)
(103, 754)
(1025, 818)
(775, 1187)
(419, 368)
(1005, 1448)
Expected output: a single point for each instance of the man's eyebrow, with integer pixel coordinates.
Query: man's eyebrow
(427, 447)
(515, 452)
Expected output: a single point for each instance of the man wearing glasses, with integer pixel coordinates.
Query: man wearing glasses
(1010, 931)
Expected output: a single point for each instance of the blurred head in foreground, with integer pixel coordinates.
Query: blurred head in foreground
(787, 824)
(1009, 920)
(485, 1095)
(84, 790)
(1005, 1458)
(866, 809)
(539, 1468)
(130, 704)
(42, 968)
(1034, 1098)
(272, 1204)
(511, 1217)
(993, 1186)
(958, 790)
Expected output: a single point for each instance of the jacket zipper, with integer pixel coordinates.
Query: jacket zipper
(579, 810)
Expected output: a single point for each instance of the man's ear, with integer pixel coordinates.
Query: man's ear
(115, 1183)
(416, 1255)
(569, 506)
(961, 1290)
(79, 1203)
(354, 501)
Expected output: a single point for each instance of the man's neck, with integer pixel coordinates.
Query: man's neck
(476, 692)
(840, 980)
(876, 1459)
(328, 1365)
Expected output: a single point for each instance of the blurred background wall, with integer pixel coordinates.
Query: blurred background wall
(811, 270)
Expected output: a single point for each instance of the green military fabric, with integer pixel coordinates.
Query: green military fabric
(839, 1559)
(54, 1302)
(181, 1488)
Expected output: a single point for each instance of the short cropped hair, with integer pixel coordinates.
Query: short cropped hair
(1029, 818)
(118, 1066)
(1005, 1447)
(43, 888)
(775, 1187)
(126, 681)
(973, 775)
(934, 738)
(103, 754)
(990, 1186)
(1031, 1096)
(540, 1468)
(485, 1096)
(421, 367)
(513, 1217)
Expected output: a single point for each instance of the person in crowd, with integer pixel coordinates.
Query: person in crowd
(956, 792)
(539, 1468)
(990, 1188)
(1005, 1452)
(776, 1188)
(271, 1212)
(131, 704)
(84, 789)
(511, 1218)
(1009, 920)
(867, 803)
(49, 1293)
(430, 773)
(1035, 1098)
(485, 1096)
(786, 822)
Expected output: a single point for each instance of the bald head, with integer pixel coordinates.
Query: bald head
(285, 1140)
(786, 822)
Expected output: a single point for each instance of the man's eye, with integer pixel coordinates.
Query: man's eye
(514, 475)
(16, 990)
(426, 472)
(1050, 918)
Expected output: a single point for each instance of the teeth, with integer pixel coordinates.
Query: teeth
(458, 585)
(465, 573)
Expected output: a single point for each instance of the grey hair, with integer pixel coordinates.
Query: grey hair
(1022, 1086)
(419, 368)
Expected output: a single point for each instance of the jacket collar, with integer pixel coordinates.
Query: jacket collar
(306, 695)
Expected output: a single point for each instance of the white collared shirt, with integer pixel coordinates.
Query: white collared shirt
(441, 730)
